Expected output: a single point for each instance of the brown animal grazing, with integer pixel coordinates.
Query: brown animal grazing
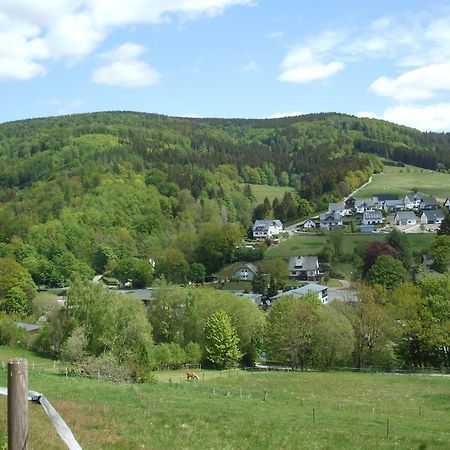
(192, 376)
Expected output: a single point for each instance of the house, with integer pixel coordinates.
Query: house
(428, 203)
(266, 228)
(363, 205)
(447, 203)
(144, 295)
(367, 228)
(371, 217)
(330, 220)
(393, 205)
(378, 200)
(304, 267)
(405, 218)
(337, 208)
(412, 200)
(322, 292)
(309, 224)
(432, 217)
(28, 327)
(255, 298)
(245, 272)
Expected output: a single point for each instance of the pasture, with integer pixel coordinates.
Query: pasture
(261, 191)
(400, 180)
(244, 410)
(312, 244)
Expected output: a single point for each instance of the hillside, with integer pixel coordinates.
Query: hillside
(86, 192)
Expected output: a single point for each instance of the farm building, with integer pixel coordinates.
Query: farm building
(304, 267)
(405, 218)
(432, 217)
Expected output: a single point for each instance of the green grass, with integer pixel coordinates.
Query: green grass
(312, 244)
(400, 180)
(260, 191)
(350, 411)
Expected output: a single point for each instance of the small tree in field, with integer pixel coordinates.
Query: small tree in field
(221, 341)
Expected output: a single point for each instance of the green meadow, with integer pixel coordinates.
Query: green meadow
(243, 410)
(400, 180)
(312, 244)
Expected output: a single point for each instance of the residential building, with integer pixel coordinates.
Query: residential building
(412, 200)
(393, 205)
(363, 205)
(304, 267)
(403, 218)
(428, 203)
(266, 228)
(378, 200)
(309, 224)
(322, 292)
(432, 217)
(447, 203)
(245, 272)
(337, 208)
(371, 217)
(330, 220)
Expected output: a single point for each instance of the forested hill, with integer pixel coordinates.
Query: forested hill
(87, 192)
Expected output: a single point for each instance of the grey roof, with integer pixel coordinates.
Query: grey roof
(364, 201)
(28, 326)
(303, 263)
(266, 223)
(336, 207)
(141, 294)
(413, 196)
(393, 203)
(372, 215)
(298, 292)
(248, 266)
(383, 197)
(430, 201)
(255, 298)
(330, 217)
(434, 215)
(405, 215)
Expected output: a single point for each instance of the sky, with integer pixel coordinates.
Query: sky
(227, 58)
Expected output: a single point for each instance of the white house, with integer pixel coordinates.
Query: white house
(337, 208)
(246, 272)
(412, 200)
(432, 217)
(322, 292)
(309, 224)
(266, 228)
(405, 218)
(304, 267)
(330, 220)
(363, 205)
(371, 217)
(447, 203)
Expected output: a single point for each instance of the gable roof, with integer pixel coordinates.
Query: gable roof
(248, 266)
(405, 215)
(298, 292)
(383, 197)
(434, 215)
(336, 207)
(393, 203)
(303, 263)
(413, 196)
(330, 217)
(372, 215)
(266, 223)
(429, 201)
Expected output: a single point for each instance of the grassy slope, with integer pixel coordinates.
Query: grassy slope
(261, 191)
(312, 244)
(350, 412)
(400, 180)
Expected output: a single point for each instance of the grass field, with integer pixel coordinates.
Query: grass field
(261, 191)
(312, 244)
(400, 180)
(227, 411)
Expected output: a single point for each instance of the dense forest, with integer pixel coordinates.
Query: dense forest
(101, 192)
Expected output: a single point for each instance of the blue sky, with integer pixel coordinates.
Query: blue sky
(227, 58)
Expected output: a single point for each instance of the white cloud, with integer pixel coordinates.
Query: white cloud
(308, 61)
(32, 33)
(126, 69)
(434, 117)
(251, 66)
(281, 115)
(417, 84)
(368, 115)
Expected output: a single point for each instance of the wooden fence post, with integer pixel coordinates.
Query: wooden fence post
(17, 404)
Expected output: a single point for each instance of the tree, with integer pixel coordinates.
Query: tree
(336, 240)
(138, 271)
(333, 339)
(193, 353)
(221, 341)
(387, 271)
(259, 283)
(197, 273)
(373, 251)
(444, 228)
(440, 253)
(304, 207)
(402, 244)
(290, 329)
